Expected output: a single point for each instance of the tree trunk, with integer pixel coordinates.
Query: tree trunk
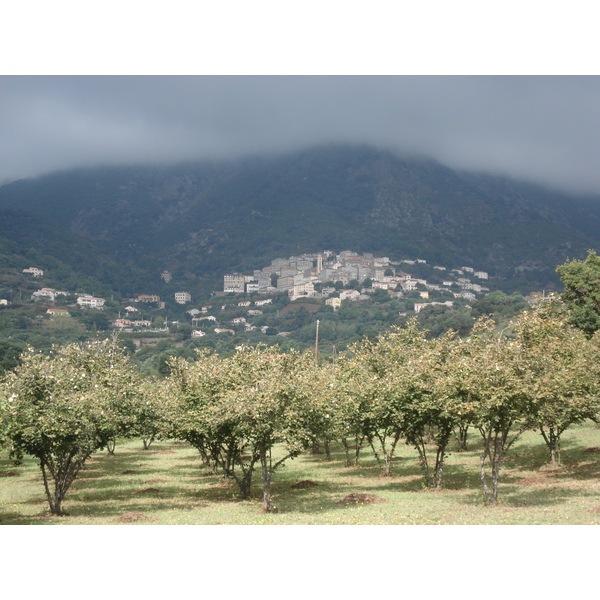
(359, 442)
(327, 449)
(110, 446)
(63, 470)
(442, 440)
(265, 462)
(419, 444)
(552, 439)
(347, 451)
(390, 455)
(147, 442)
(496, 476)
(462, 436)
(496, 445)
(486, 493)
(245, 484)
(375, 453)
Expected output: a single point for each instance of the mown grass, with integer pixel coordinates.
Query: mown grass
(167, 485)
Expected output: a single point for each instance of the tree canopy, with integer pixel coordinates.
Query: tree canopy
(64, 406)
(581, 280)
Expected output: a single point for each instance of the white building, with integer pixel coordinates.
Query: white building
(263, 302)
(90, 302)
(409, 285)
(182, 297)
(304, 290)
(234, 283)
(349, 295)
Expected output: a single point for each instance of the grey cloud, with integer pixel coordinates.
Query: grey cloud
(543, 129)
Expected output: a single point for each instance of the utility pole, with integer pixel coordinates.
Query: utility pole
(317, 344)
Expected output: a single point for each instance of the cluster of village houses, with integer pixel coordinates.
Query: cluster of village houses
(297, 276)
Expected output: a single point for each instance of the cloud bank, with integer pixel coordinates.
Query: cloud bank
(544, 129)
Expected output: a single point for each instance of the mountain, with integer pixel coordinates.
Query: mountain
(125, 225)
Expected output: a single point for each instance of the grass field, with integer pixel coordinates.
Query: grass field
(167, 485)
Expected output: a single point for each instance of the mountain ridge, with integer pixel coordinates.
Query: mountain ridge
(201, 220)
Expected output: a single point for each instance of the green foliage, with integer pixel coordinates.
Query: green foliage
(561, 373)
(235, 410)
(131, 221)
(499, 305)
(486, 374)
(64, 406)
(581, 280)
(9, 355)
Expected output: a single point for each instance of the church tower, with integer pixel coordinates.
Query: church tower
(319, 263)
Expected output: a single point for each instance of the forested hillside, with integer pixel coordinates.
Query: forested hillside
(126, 225)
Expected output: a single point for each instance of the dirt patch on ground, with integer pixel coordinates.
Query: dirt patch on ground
(130, 472)
(592, 450)
(303, 484)
(167, 452)
(10, 474)
(360, 499)
(149, 490)
(395, 458)
(536, 480)
(595, 510)
(132, 517)
(155, 481)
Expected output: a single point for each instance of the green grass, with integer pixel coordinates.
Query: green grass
(168, 486)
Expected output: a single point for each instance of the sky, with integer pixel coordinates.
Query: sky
(541, 128)
(498, 87)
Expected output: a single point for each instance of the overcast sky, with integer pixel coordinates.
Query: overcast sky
(542, 128)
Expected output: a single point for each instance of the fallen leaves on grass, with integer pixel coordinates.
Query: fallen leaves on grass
(149, 490)
(536, 480)
(303, 484)
(132, 517)
(355, 498)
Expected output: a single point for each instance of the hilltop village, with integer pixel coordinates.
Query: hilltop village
(325, 278)
(352, 276)
(347, 295)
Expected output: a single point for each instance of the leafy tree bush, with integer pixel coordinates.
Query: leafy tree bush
(581, 280)
(64, 406)
(562, 374)
(235, 410)
(499, 305)
(486, 372)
